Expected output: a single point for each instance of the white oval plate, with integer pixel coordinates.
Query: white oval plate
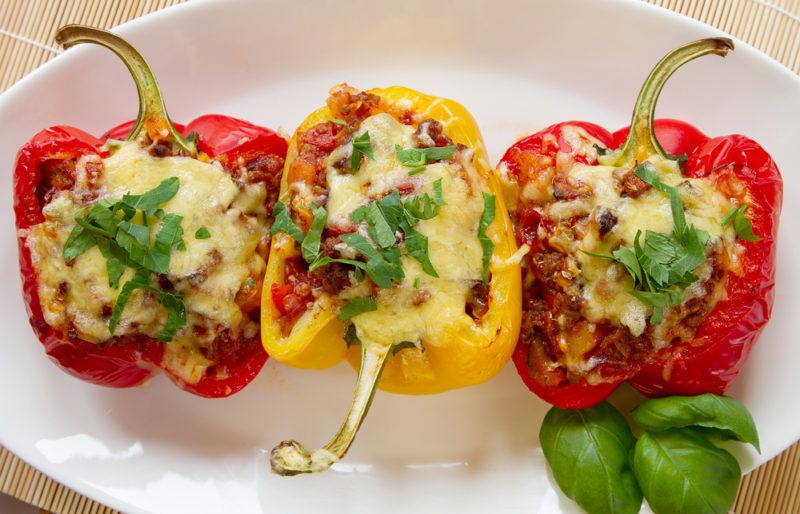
(518, 65)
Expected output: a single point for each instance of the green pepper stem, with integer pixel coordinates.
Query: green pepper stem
(291, 458)
(152, 119)
(641, 142)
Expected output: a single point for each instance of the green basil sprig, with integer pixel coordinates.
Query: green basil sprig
(588, 451)
(675, 465)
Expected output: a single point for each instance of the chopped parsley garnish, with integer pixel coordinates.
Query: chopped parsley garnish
(202, 233)
(385, 219)
(416, 283)
(356, 306)
(418, 158)
(313, 238)
(123, 236)
(486, 243)
(740, 224)
(362, 145)
(283, 223)
(663, 265)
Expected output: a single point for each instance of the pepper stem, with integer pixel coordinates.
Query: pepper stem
(291, 458)
(152, 120)
(641, 142)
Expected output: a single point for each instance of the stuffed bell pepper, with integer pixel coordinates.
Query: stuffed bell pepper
(391, 248)
(148, 252)
(652, 251)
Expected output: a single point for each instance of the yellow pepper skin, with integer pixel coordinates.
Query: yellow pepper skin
(459, 352)
(467, 353)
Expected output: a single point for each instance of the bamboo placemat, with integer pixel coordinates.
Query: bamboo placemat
(26, 42)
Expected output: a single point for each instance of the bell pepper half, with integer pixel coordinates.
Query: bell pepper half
(716, 336)
(46, 165)
(302, 310)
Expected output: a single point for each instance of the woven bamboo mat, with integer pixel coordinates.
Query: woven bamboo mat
(26, 42)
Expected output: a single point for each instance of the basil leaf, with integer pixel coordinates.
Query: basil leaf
(339, 122)
(202, 233)
(176, 315)
(741, 224)
(486, 243)
(588, 451)
(153, 199)
(357, 306)
(283, 223)
(727, 417)
(437, 192)
(79, 241)
(362, 145)
(416, 170)
(313, 239)
(681, 472)
(141, 280)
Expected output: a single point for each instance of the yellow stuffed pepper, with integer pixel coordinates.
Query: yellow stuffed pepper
(392, 247)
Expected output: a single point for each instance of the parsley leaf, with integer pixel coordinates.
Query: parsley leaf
(124, 242)
(378, 228)
(382, 267)
(663, 265)
(141, 280)
(420, 207)
(741, 224)
(324, 261)
(79, 241)
(438, 199)
(202, 233)
(417, 247)
(283, 223)
(417, 158)
(116, 260)
(313, 239)
(362, 145)
(356, 306)
(486, 244)
(176, 315)
(153, 199)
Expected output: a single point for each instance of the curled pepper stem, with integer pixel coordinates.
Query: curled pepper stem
(292, 458)
(641, 142)
(152, 120)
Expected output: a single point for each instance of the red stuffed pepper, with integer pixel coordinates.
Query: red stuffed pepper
(147, 252)
(652, 252)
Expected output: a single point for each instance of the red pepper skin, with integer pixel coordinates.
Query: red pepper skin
(725, 338)
(723, 341)
(130, 361)
(675, 136)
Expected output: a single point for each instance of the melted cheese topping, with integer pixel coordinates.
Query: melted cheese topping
(605, 286)
(452, 234)
(208, 274)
